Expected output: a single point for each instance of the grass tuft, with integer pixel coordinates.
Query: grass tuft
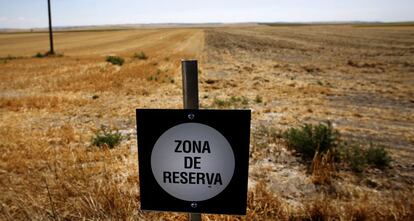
(40, 55)
(141, 56)
(378, 157)
(115, 60)
(106, 138)
(358, 158)
(9, 58)
(48, 54)
(258, 99)
(321, 143)
(355, 158)
(233, 101)
(323, 168)
(309, 139)
(263, 205)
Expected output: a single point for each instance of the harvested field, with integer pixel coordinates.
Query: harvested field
(359, 78)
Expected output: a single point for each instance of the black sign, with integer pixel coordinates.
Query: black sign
(193, 160)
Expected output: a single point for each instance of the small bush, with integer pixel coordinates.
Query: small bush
(309, 139)
(40, 55)
(48, 54)
(355, 158)
(9, 58)
(115, 60)
(233, 101)
(152, 78)
(106, 138)
(378, 157)
(245, 101)
(323, 168)
(59, 55)
(141, 56)
(258, 99)
(219, 102)
(359, 158)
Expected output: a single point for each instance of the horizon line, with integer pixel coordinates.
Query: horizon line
(218, 23)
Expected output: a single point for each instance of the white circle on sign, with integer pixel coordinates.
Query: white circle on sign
(192, 162)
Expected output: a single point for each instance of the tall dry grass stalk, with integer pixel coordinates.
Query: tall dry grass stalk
(323, 168)
(265, 205)
(51, 103)
(367, 207)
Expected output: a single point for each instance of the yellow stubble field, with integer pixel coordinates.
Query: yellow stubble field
(361, 79)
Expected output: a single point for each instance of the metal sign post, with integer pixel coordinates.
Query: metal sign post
(191, 160)
(190, 98)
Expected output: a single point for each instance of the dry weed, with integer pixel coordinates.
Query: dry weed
(366, 207)
(323, 168)
(51, 103)
(264, 205)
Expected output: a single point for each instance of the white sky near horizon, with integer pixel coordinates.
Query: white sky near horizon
(33, 13)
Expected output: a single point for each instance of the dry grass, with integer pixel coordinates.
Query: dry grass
(52, 103)
(264, 205)
(57, 179)
(364, 208)
(323, 168)
(50, 108)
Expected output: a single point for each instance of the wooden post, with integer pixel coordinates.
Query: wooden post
(190, 97)
(52, 51)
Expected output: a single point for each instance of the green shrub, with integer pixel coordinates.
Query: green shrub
(40, 55)
(48, 54)
(233, 101)
(245, 101)
(258, 99)
(141, 56)
(106, 138)
(309, 139)
(115, 60)
(378, 157)
(355, 158)
(220, 102)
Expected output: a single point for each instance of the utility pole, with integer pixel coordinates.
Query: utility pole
(52, 51)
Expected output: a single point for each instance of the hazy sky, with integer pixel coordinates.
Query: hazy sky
(33, 13)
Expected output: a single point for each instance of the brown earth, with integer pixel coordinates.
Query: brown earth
(361, 79)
